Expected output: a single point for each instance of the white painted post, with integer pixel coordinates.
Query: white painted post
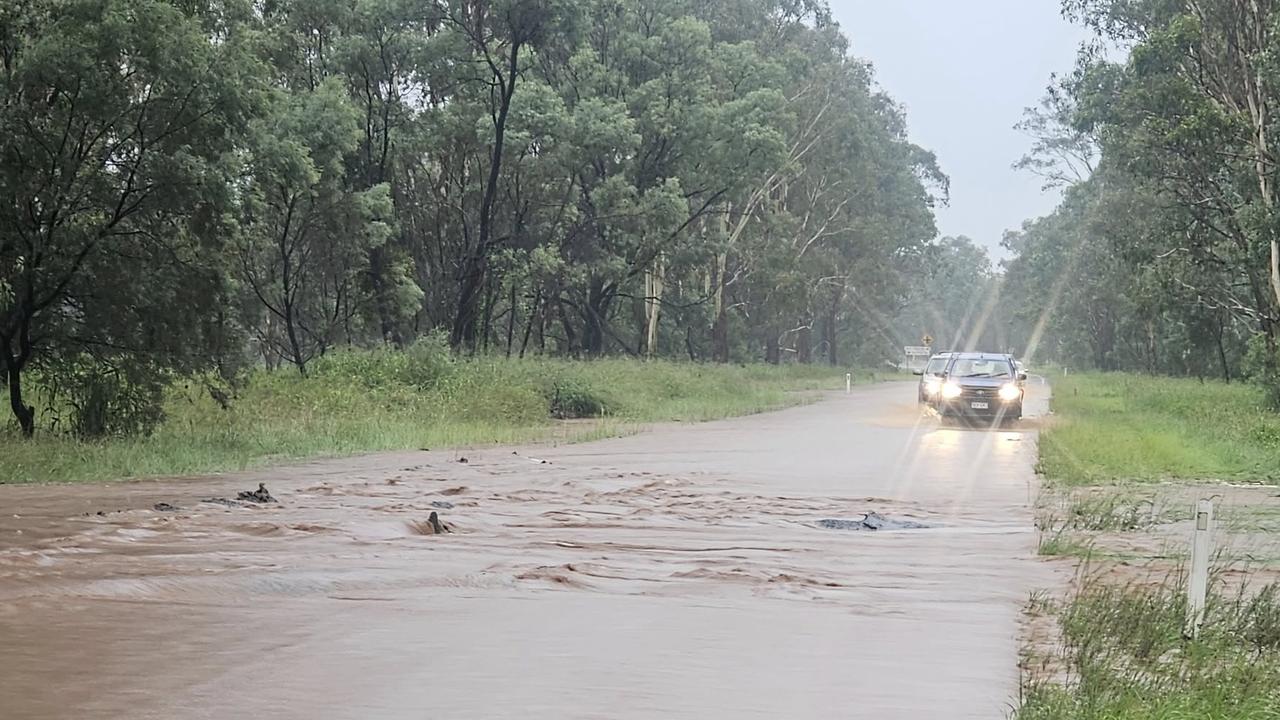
(1198, 583)
(848, 383)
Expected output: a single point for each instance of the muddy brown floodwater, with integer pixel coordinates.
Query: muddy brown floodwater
(680, 573)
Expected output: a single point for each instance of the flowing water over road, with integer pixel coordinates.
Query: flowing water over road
(680, 573)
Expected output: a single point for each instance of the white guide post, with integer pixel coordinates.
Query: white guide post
(1198, 583)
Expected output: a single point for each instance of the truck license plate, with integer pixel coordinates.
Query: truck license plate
(978, 405)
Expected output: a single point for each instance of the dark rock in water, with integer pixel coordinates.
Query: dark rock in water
(259, 496)
(439, 527)
(432, 526)
(871, 521)
(164, 507)
(442, 504)
(462, 460)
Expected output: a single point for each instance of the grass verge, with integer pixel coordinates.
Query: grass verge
(1122, 428)
(1123, 656)
(359, 402)
(1118, 650)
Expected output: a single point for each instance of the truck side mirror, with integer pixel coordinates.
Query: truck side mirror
(1022, 377)
(917, 372)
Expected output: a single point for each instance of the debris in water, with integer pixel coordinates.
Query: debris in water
(462, 460)
(871, 521)
(164, 507)
(442, 504)
(433, 526)
(438, 526)
(259, 496)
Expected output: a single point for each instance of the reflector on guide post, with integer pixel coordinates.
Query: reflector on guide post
(1198, 583)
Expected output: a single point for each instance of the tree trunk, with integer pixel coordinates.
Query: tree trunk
(1222, 352)
(472, 276)
(377, 281)
(829, 327)
(490, 301)
(534, 312)
(271, 345)
(544, 317)
(804, 345)
(22, 412)
(511, 318)
(653, 287)
(772, 349)
(463, 334)
(720, 323)
(570, 337)
(295, 346)
(1151, 347)
(595, 314)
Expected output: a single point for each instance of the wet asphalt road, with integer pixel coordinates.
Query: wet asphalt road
(679, 573)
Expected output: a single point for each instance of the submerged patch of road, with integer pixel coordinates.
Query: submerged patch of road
(871, 521)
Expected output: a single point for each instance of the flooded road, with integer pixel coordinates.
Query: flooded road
(680, 573)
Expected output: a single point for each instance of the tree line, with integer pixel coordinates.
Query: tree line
(192, 187)
(1164, 255)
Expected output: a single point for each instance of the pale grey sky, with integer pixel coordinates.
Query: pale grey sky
(964, 70)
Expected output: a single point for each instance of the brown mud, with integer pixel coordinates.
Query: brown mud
(681, 573)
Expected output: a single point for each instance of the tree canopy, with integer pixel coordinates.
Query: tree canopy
(190, 188)
(1164, 255)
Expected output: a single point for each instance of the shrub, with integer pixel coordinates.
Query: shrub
(574, 399)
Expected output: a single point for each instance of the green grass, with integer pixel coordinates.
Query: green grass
(1123, 656)
(1121, 428)
(1063, 543)
(360, 402)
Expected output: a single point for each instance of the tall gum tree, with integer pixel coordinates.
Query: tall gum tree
(114, 119)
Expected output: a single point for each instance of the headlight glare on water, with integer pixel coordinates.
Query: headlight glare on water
(1010, 392)
(950, 390)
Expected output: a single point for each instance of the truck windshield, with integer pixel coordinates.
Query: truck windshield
(977, 368)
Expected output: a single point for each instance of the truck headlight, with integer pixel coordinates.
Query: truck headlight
(950, 390)
(1010, 392)
(931, 385)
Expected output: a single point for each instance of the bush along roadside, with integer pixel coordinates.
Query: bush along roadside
(1123, 655)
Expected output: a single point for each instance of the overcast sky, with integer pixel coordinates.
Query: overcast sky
(965, 70)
